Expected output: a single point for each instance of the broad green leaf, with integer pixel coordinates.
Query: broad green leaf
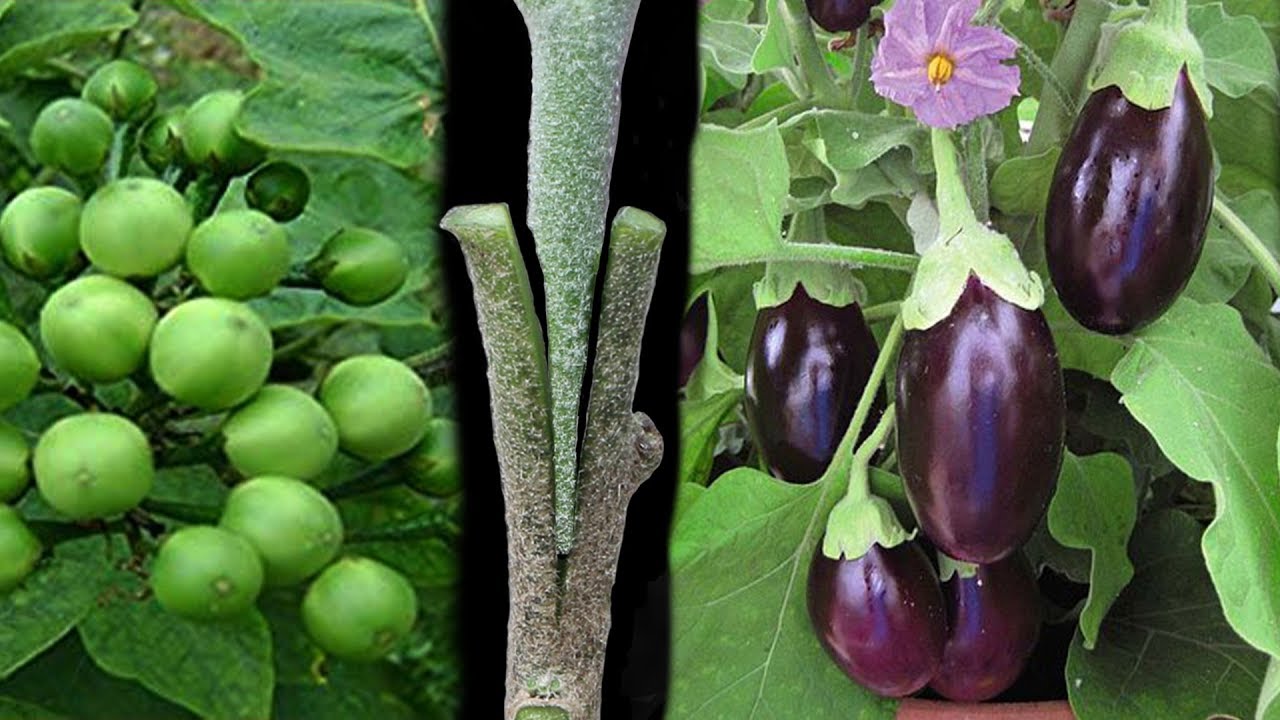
(1246, 139)
(1237, 55)
(1165, 650)
(727, 48)
(740, 182)
(735, 10)
(1078, 347)
(700, 422)
(17, 710)
(1094, 509)
(190, 484)
(60, 592)
(731, 287)
(217, 670)
(1020, 185)
(32, 31)
(687, 494)
(291, 307)
(65, 681)
(869, 155)
(774, 50)
(742, 645)
(1207, 393)
(357, 78)
(1269, 698)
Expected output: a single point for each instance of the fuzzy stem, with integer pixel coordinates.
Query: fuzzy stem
(1070, 66)
(804, 45)
(861, 53)
(1168, 13)
(621, 450)
(859, 478)
(853, 257)
(954, 210)
(579, 48)
(1249, 239)
(520, 401)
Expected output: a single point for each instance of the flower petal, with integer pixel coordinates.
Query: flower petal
(953, 25)
(986, 43)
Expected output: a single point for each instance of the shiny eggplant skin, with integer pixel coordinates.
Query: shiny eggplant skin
(840, 15)
(994, 622)
(880, 617)
(981, 418)
(1128, 208)
(693, 338)
(806, 367)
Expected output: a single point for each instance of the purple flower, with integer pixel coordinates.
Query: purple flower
(936, 62)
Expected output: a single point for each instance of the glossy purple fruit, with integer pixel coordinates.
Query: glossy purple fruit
(994, 622)
(806, 367)
(981, 416)
(1128, 208)
(840, 15)
(693, 338)
(880, 617)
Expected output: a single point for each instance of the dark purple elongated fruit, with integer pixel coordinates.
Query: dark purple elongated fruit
(1128, 208)
(993, 621)
(880, 617)
(806, 367)
(981, 417)
(840, 15)
(693, 338)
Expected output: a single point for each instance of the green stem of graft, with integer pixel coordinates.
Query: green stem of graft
(804, 45)
(579, 48)
(1249, 239)
(1070, 66)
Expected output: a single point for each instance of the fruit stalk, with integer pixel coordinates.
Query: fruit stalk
(1070, 65)
(804, 45)
(1249, 239)
(579, 48)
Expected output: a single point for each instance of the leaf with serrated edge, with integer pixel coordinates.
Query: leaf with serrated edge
(742, 644)
(1094, 509)
(1208, 395)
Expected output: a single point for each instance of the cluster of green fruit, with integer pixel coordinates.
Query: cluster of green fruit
(105, 321)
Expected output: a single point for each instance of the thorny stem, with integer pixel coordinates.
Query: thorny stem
(1249, 239)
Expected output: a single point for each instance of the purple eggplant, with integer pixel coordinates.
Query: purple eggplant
(981, 417)
(840, 15)
(880, 617)
(807, 365)
(994, 622)
(1128, 208)
(693, 338)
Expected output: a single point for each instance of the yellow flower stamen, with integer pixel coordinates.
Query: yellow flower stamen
(940, 69)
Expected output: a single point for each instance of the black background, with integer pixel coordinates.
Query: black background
(486, 126)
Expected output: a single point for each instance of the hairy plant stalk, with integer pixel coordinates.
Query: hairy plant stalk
(557, 631)
(579, 48)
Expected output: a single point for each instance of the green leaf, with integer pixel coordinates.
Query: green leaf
(740, 182)
(870, 155)
(190, 484)
(727, 48)
(65, 681)
(1246, 138)
(1094, 509)
(51, 601)
(1211, 399)
(218, 670)
(1238, 58)
(1269, 698)
(1078, 347)
(742, 645)
(1165, 651)
(774, 50)
(18, 710)
(292, 307)
(360, 78)
(34, 30)
(700, 422)
(1020, 185)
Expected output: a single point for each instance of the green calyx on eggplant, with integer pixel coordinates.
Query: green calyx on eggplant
(993, 620)
(807, 365)
(881, 617)
(1128, 208)
(981, 419)
(840, 15)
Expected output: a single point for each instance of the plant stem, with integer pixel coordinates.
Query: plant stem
(861, 50)
(579, 48)
(882, 312)
(887, 353)
(1070, 66)
(1249, 239)
(954, 210)
(975, 170)
(804, 46)
(854, 257)
(1168, 13)
(781, 113)
(859, 478)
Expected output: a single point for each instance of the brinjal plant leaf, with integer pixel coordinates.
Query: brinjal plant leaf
(32, 31)
(1165, 651)
(1211, 399)
(740, 183)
